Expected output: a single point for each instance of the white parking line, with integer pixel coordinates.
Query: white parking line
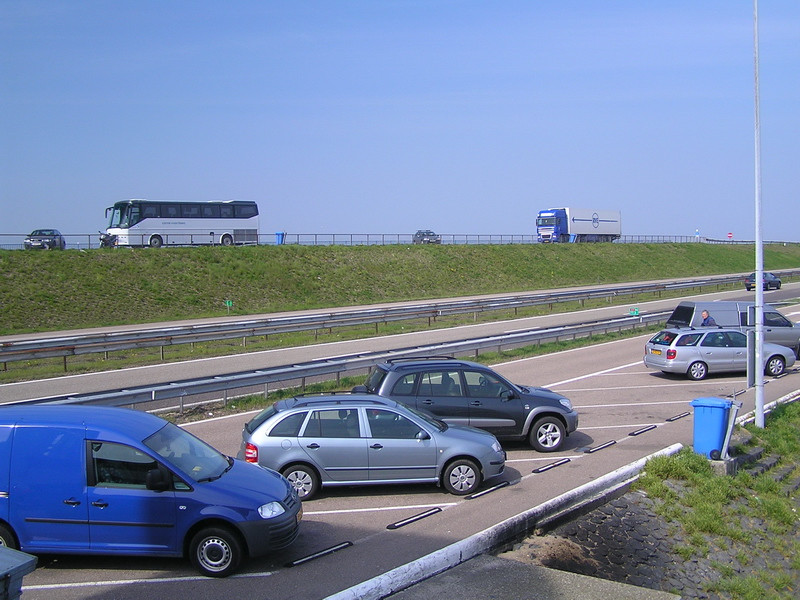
(377, 509)
(118, 582)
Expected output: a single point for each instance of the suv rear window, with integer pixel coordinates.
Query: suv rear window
(374, 380)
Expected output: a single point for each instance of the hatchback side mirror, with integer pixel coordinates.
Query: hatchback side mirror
(423, 435)
(157, 480)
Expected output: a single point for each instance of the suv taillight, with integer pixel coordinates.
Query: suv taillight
(251, 453)
(671, 354)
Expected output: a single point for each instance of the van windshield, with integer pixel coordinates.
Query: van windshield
(189, 454)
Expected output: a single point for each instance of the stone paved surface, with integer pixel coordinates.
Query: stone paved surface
(626, 541)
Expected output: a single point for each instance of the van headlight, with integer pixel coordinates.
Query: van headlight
(565, 403)
(271, 510)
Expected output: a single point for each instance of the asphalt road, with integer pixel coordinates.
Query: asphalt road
(615, 396)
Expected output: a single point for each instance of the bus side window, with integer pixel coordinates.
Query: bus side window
(226, 211)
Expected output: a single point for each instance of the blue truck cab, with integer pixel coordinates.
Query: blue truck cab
(102, 480)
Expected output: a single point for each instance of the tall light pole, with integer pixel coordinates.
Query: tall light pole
(759, 308)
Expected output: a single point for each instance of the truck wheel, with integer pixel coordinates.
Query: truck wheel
(7, 539)
(461, 477)
(547, 434)
(775, 366)
(215, 552)
(304, 480)
(697, 371)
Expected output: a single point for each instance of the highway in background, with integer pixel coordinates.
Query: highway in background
(614, 394)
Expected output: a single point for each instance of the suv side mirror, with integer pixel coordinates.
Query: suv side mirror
(507, 395)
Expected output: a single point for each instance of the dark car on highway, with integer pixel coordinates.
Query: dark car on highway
(771, 281)
(426, 236)
(467, 393)
(357, 439)
(46, 239)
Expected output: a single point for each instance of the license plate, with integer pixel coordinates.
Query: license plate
(655, 351)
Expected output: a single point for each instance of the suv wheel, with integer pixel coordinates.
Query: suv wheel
(697, 371)
(775, 366)
(547, 434)
(304, 480)
(461, 477)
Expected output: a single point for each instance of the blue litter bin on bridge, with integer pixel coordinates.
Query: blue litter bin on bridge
(710, 424)
(280, 237)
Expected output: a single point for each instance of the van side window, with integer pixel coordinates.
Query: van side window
(773, 319)
(117, 465)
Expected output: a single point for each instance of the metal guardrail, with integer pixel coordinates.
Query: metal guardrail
(344, 364)
(33, 349)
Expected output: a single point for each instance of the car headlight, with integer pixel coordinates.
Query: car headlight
(271, 510)
(496, 446)
(565, 403)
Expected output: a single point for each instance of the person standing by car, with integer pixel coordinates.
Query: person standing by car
(708, 320)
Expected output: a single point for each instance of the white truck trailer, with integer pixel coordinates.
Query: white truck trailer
(578, 225)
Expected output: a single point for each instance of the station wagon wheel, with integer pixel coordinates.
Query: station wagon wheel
(7, 539)
(215, 552)
(775, 366)
(461, 477)
(697, 371)
(547, 434)
(304, 480)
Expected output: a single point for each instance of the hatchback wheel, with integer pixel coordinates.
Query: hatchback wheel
(304, 480)
(697, 371)
(775, 366)
(215, 551)
(461, 477)
(547, 434)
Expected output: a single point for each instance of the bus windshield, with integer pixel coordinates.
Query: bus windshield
(119, 215)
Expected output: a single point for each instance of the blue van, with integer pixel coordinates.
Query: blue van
(101, 480)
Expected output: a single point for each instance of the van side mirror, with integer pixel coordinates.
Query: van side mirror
(157, 480)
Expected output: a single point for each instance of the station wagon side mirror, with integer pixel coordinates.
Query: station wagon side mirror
(157, 480)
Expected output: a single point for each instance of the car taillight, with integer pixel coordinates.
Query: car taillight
(671, 354)
(251, 453)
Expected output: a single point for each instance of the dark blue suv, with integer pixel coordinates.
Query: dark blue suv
(460, 392)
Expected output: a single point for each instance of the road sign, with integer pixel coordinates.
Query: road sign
(730, 236)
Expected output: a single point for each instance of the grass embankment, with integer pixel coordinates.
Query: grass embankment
(48, 291)
(744, 516)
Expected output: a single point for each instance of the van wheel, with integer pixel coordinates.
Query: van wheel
(697, 371)
(7, 539)
(461, 477)
(215, 552)
(304, 480)
(156, 241)
(775, 366)
(547, 434)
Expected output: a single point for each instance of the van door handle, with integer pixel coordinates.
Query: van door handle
(99, 504)
(72, 502)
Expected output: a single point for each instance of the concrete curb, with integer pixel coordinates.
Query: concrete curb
(436, 562)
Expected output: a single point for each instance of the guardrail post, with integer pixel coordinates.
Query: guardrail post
(162, 352)
(65, 363)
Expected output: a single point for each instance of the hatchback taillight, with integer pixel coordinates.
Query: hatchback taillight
(671, 354)
(251, 453)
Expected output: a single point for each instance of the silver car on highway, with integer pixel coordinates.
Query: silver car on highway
(358, 439)
(698, 352)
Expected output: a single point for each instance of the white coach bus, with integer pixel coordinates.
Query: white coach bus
(157, 223)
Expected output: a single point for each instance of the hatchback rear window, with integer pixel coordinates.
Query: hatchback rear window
(664, 338)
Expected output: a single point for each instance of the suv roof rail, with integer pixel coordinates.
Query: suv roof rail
(391, 361)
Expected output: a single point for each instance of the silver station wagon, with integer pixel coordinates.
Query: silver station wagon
(698, 352)
(358, 439)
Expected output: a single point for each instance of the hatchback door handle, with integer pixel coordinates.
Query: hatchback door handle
(99, 504)
(313, 446)
(72, 502)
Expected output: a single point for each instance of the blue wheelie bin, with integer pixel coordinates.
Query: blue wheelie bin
(710, 424)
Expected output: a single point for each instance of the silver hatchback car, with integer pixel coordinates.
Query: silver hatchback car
(698, 352)
(357, 439)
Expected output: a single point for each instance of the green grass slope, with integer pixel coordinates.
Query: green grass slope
(46, 291)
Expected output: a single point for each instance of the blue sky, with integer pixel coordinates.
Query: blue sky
(370, 116)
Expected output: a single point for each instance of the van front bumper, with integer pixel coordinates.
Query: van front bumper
(267, 535)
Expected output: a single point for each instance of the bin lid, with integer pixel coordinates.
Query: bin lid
(711, 402)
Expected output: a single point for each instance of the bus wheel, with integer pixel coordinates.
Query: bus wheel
(227, 240)
(156, 241)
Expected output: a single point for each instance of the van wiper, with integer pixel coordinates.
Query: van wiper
(215, 477)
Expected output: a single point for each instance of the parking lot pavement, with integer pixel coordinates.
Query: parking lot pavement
(487, 576)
